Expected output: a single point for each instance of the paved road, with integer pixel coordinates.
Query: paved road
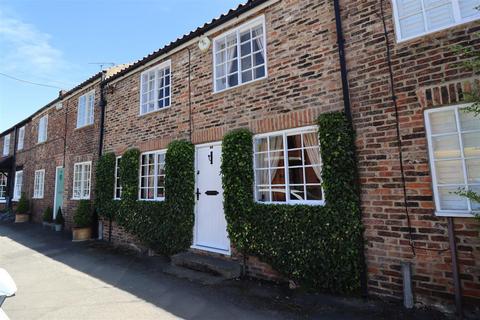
(58, 279)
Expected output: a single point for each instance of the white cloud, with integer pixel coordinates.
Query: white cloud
(26, 49)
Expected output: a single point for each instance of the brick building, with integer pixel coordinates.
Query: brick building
(273, 67)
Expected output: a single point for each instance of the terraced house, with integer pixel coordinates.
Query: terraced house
(274, 67)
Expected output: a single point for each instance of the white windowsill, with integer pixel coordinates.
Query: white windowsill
(77, 199)
(239, 85)
(456, 214)
(150, 112)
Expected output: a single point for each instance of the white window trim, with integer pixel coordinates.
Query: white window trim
(456, 14)
(87, 120)
(439, 212)
(157, 67)
(21, 138)
(15, 198)
(4, 198)
(6, 145)
(115, 187)
(239, 29)
(287, 184)
(81, 188)
(155, 174)
(36, 192)
(42, 138)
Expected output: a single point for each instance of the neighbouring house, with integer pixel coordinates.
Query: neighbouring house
(273, 67)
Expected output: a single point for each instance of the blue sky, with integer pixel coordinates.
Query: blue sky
(53, 42)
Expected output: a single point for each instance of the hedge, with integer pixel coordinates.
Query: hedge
(167, 226)
(318, 246)
(105, 185)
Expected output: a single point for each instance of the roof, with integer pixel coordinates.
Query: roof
(231, 14)
(120, 70)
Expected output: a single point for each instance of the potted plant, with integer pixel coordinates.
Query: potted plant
(59, 220)
(82, 221)
(22, 213)
(48, 217)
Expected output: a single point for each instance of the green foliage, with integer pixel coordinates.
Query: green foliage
(83, 215)
(48, 215)
(59, 219)
(23, 206)
(105, 185)
(166, 227)
(319, 246)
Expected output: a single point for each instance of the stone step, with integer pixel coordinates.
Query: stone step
(214, 266)
(192, 275)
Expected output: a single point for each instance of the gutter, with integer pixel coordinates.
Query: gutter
(348, 114)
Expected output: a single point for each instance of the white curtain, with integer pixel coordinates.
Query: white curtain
(276, 143)
(313, 153)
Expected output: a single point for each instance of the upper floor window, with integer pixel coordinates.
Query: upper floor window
(38, 184)
(86, 109)
(239, 56)
(152, 176)
(418, 17)
(17, 189)
(155, 92)
(43, 129)
(6, 145)
(118, 186)
(288, 167)
(21, 138)
(3, 186)
(454, 146)
(81, 180)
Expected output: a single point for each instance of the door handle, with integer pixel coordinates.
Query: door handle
(211, 192)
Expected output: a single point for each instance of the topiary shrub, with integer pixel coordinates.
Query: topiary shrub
(83, 215)
(318, 246)
(59, 219)
(48, 215)
(105, 186)
(167, 226)
(23, 206)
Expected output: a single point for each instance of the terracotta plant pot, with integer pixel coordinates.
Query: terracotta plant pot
(81, 234)
(21, 218)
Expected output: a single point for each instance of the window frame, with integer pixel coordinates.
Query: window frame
(117, 185)
(285, 134)
(456, 15)
(82, 187)
(3, 177)
(428, 132)
(156, 68)
(6, 145)
(40, 183)
(16, 192)
(89, 118)
(21, 138)
(155, 175)
(42, 137)
(237, 30)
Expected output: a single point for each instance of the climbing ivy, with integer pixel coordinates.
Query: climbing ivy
(315, 245)
(104, 186)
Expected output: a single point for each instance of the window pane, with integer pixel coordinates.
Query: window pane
(295, 158)
(446, 147)
(449, 172)
(246, 63)
(247, 76)
(276, 143)
(278, 176)
(263, 194)
(297, 193)
(294, 142)
(233, 80)
(314, 192)
(295, 175)
(312, 174)
(443, 122)
(475, 205)
(471, 144)
(412, 25)
(468, 120)
(450, 201)
(277, 159)
(473, 170)
(440, 16)
(261, 177)
(261, 160)
(221, 83)
(468, 8)
(312, 156)
(244, 36)
(259, 72)
(261, 144)
(279, 193)
(408, 7)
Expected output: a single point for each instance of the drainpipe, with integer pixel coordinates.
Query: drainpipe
(348, 114)
(102, 104)
(455, 273)
(12, 169)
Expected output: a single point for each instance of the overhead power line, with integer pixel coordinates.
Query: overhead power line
(29, 82)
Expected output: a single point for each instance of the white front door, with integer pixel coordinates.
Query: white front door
(210, 224)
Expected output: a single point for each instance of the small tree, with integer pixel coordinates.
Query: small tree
(48, 215)
(59, 217)
(23, 206)
(83, 214)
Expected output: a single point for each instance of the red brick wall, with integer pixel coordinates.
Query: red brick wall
(425, 62)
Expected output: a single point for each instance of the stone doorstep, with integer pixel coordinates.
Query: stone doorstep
(206, 264)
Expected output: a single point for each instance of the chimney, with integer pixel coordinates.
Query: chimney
(61, 93)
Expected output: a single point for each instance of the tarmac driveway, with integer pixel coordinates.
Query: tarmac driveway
(58, 279)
